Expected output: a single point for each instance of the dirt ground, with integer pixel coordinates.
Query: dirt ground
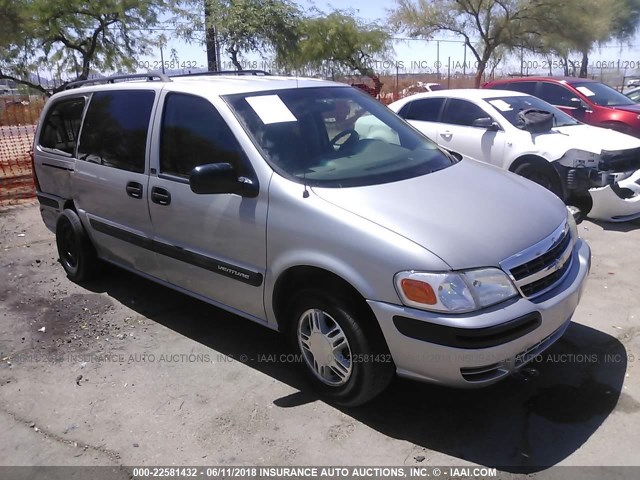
(123, 372)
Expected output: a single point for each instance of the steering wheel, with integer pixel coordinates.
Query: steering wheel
(353, 137)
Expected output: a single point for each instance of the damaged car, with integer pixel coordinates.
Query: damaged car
(589, 167)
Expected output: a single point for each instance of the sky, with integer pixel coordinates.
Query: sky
(411, 56)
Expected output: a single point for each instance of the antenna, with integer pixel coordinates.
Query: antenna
(305, 194)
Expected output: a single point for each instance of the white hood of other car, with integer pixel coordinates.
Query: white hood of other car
(582, 137)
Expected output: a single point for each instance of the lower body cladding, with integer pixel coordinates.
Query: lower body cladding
(435, 348)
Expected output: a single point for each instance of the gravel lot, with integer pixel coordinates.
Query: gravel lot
(123, 372)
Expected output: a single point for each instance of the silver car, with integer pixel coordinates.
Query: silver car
(256, 194)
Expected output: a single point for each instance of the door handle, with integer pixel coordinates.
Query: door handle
(447, 134)
(160, 195)
(134, 189)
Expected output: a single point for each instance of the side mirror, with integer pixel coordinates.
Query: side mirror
(487, 123)
(577, 103)
(220, 178)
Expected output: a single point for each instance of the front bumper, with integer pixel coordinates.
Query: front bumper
(536, 324)
(610, 206)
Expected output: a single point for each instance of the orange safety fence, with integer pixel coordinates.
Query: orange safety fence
(18, 118)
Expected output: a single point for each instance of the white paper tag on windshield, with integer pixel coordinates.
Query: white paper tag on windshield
(501, 105)
(585, 91)
(271, 109)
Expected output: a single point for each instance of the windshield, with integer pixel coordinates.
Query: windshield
(602, 94)
(509, 107)
(634, 95)
(335, 137)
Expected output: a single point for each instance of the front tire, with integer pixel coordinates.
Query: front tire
(543, 175)
(343, 353)
(77, 255)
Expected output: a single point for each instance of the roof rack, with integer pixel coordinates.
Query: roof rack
(257, 73)
(149, 76)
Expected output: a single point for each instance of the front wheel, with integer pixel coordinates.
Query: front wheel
(543, 175)
(343, 353)
(77, 255)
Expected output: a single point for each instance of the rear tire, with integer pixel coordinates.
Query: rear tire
(543, 175)
(77, 255)
(344, 356)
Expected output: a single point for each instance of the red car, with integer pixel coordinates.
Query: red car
(586, 100)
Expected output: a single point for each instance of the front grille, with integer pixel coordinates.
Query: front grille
(541, 267)
(546, 282)
(543, 261)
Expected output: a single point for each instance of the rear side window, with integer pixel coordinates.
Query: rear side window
(462, 112)
(194, 133)
(426, 110)
(115, 129)
(524, 87)
(61, 126)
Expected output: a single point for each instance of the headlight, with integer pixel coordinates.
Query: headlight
(454, 292)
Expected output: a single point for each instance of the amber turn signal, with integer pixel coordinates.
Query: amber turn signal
(418, 291)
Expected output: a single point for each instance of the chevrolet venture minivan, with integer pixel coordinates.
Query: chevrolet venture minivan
(256, 194)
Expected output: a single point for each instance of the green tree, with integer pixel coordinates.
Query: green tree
(339, 41)
(576, 27)
(485, 25)
(626, 19)
(11, 22)
(244, 26)
(75, 37)
(579, 26)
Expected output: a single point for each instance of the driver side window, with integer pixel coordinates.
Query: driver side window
(462, 112)
(556, 94)
(193, 133)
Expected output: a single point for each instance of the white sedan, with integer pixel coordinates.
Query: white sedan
(588, 166)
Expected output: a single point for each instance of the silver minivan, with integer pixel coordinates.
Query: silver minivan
(256, 194)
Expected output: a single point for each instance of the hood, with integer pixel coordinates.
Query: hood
(583, 137)
(470, 214)
(635, 108)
